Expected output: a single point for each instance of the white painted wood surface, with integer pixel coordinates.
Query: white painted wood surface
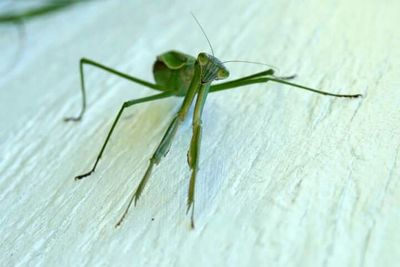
(288, 178)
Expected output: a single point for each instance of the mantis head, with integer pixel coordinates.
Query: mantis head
(211, 68)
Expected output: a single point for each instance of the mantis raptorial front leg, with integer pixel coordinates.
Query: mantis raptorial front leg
(194, 150)
(165, 144)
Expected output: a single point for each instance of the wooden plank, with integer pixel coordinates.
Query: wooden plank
(287, 177)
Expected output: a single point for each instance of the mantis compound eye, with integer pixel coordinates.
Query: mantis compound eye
(203, 58)
(222, 74)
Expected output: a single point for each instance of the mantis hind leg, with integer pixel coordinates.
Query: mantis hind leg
(85, 61)
(124, 106)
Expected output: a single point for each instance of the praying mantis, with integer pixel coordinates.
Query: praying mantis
(181, 75)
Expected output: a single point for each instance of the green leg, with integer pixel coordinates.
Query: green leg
(85, 61)
(314, 90)
(125, 105)
(194, 150)
(237, 82)
(193, 161)
(259, 78)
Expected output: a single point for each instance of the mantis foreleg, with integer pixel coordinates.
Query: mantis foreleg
(194, 150)
(165, 143)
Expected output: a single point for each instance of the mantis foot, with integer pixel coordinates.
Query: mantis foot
(79, 177)
(67, 119)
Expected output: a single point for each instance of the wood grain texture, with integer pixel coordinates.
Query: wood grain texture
(287, 177)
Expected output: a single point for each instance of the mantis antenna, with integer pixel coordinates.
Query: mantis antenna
(251, 62)
(201, 28)
(228, 61)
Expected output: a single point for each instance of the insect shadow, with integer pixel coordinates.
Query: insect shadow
(178, 74)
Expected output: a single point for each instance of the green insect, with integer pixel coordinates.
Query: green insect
(179, 74)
